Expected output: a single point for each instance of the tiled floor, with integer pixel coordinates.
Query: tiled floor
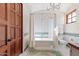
(33, 52)
(65, 51)
(62, 50)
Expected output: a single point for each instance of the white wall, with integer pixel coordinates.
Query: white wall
(38, 6)
(26, 17)
(73, 27)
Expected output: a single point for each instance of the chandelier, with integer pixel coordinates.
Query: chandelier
(54, 6)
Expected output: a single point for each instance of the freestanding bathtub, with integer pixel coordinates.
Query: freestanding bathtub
(43, 44)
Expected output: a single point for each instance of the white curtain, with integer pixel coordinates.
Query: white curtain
(42, 25)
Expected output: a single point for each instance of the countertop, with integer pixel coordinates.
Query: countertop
(76, 45)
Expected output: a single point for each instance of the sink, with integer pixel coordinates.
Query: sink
(63, 42)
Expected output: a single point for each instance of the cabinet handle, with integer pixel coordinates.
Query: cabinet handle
(9, 40)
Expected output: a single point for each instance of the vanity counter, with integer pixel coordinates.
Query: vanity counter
(74, 48)
(75, 45)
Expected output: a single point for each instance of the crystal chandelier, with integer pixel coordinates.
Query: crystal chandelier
(54, 6)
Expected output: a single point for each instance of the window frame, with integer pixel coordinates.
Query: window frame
(71, 17)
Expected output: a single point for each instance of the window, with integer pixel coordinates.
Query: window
(71, 17)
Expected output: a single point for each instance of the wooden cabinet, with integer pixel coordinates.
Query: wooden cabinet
(74, 49)
(15, 27)
(3, 29)
(11, 27)
(11, 48)
(3, 11)
(3, 50)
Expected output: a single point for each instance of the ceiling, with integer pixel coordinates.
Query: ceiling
(35, 7)
(43, 6)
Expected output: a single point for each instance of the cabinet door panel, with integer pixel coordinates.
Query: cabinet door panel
(17, 8)
(17, 47)
(3, 50)
(18, 42)
(18, 20)
(12, 6)
(20, 9)
(12, 49)
(12, 33)
(3, 29)
(2, 11)
(14, 28)
(2, 35)
(12, 18)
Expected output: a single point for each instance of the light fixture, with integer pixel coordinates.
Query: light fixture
(54, 6)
